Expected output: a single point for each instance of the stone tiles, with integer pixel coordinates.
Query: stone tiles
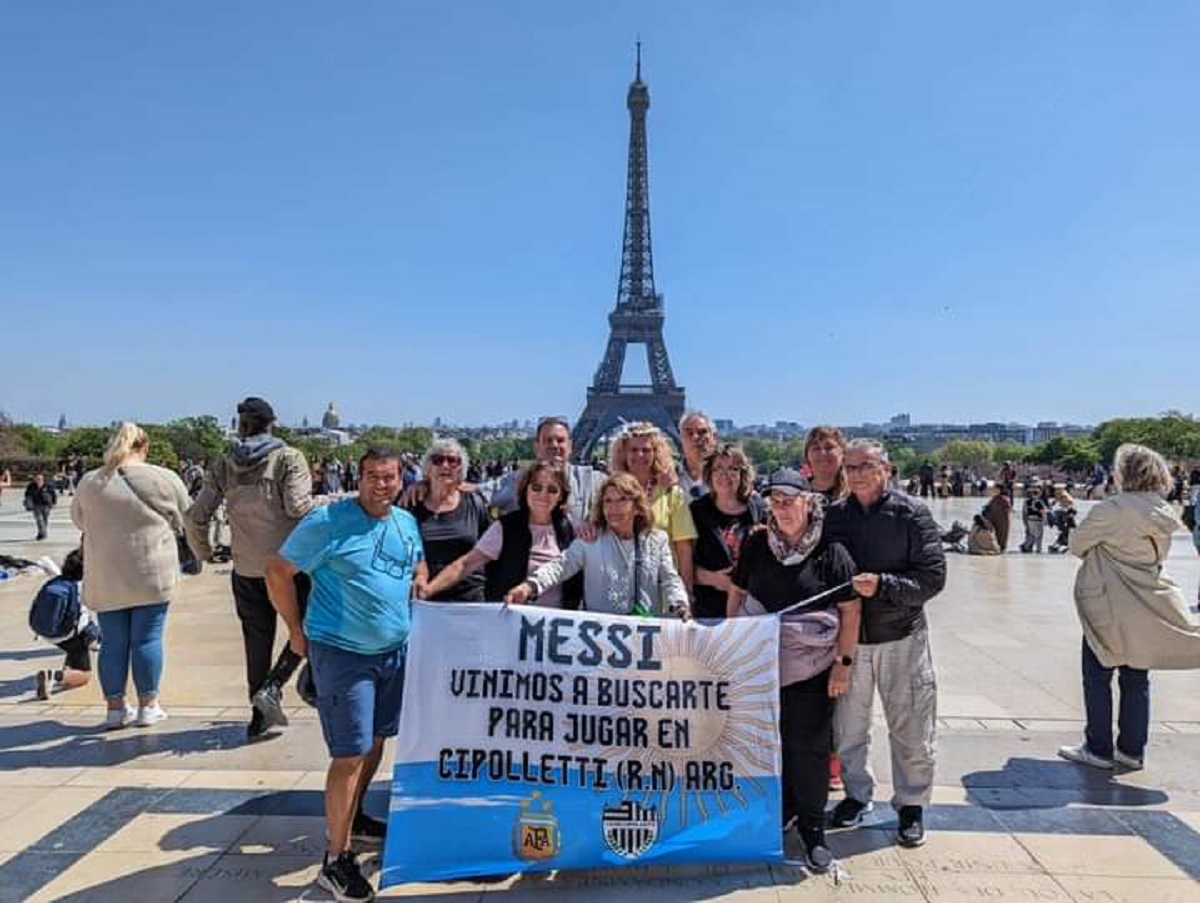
(187, 811)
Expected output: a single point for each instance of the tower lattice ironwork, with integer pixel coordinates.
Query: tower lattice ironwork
(639, 314)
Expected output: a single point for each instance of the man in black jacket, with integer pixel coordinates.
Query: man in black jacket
(897, 548)
(40, 498)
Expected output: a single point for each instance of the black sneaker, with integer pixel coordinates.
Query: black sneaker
(848, 813)
(343, 878)
(818, 855)
(367, 829)
(268, 701)
(257, 728)
(911, 832)
(45, 681)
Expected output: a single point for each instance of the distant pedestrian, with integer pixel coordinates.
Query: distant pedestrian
(40, 499)
(130, 513)
(998, 513)
(1033, 515)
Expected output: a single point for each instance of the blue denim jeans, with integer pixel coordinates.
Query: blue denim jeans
(1133, 715)
(132, 636)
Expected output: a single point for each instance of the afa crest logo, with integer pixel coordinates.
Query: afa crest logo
(630, 828)
(535, 835)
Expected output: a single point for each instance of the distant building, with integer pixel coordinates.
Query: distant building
(330, 420)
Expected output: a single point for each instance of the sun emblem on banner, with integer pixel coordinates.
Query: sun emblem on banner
(740, 736)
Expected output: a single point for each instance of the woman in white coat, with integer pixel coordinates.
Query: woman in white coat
(1134, 618)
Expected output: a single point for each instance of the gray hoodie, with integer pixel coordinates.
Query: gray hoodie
(267, 488)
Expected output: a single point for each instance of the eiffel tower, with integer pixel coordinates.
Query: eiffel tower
(638, 316)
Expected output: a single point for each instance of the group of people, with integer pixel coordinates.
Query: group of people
(845, 560)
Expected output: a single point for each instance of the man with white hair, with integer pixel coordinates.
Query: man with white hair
(699, 438)
(897, 548)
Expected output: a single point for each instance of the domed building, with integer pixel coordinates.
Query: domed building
(330, 419)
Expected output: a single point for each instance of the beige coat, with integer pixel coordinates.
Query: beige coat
(1132, 613)
(129, 551)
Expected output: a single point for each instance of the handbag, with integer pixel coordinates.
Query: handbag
(188, 562)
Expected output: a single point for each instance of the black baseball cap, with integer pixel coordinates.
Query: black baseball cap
(257, 407)
(788, 482)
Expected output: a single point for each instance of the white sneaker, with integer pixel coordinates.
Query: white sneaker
(118, 718)
(1084, 756)
(1129, 763)
(150, 714)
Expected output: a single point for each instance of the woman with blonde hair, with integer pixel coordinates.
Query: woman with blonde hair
(627, 569)
(641, 450)
(452, 520)
(130, 513)
(1134, 617)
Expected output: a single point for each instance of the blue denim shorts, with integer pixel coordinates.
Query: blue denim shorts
(358, 696)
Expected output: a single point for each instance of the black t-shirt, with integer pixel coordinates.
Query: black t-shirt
(719, 540)
(778, 585)
(450, 535)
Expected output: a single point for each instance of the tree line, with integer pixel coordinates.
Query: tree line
(25, 448)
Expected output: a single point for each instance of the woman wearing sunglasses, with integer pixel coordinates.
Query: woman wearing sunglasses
(518, 543)
(628, 569)
(451, 520)
(791, 564)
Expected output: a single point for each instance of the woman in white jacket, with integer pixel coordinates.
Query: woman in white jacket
(1134, 618)
(627, 569)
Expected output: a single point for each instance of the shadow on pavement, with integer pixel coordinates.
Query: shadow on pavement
(1025, 783)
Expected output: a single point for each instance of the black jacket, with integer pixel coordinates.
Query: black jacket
(512, 566)
(45, 497)
(898, 539)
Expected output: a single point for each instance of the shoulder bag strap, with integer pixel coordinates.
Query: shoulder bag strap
(141, 498)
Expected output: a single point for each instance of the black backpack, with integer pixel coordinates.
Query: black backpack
(54, 614)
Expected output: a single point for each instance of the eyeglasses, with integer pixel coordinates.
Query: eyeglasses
(549, 488)
(439, 460)
(698, 431)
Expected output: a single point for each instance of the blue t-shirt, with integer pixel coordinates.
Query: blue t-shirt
(362, 571)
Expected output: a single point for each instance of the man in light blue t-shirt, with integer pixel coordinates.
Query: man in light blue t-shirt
(362, 556)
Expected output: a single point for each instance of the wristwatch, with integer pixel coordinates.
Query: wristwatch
(534, 592)
(844, 660)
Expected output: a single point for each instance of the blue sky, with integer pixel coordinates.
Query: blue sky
(966, 212)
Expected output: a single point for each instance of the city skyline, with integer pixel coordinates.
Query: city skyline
(966, 213)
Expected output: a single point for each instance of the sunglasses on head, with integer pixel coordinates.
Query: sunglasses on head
(439, 460)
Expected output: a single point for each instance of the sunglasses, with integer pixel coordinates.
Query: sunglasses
(551, 488)
(439, 460)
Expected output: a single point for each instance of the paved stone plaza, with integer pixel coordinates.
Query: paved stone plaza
(186, 810)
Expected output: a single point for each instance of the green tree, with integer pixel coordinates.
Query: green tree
(88, 442)
(1007, 451)
(970, 453)
(196, 437)
(38, 442)
(1174, 435)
